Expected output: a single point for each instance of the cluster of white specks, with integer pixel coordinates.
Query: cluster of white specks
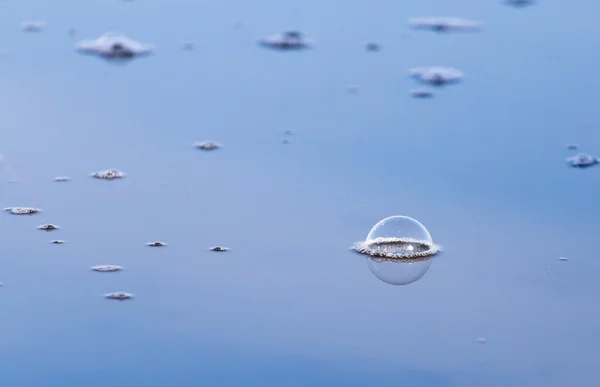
(22, 210)
(582, 160)
(48, 227)
(109, 174)
(437, 75)
(443, 24)
(107, 268)
(114, 46)
(207, 145)
(156, 244)
(289, 40)
(118, 296)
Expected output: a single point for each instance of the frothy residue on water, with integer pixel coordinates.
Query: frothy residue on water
(48, 227)
(156, 244)
(109, 174)
(22, 210)
(118, 296)
(114, 45)
(437, 75)
(440, 24)
(289, 40)
(396, 248)
(106, 268)
(583, 160)
(207, 145)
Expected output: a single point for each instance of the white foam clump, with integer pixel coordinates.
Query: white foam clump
(207, 145)
(48, 227)
(421, 93)
(62, 179)
(109, 174)
(582, 160)
(445, 24)
(437, 75)
(113, 45)
(107, 268)
(33, 26)
(397, 248)
(286, 41)
(118, 296)
(22, 210)
(156, 244)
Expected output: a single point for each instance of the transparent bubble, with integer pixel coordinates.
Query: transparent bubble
(397, 271)
(400, 227)
(399, 249)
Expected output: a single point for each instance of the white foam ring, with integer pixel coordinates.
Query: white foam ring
(383, 248)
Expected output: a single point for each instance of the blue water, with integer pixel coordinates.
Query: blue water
(481, 166)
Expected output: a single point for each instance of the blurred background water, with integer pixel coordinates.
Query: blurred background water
(481, 166)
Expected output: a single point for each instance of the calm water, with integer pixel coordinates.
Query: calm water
(481, 166)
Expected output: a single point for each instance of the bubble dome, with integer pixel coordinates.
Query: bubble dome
(398, 237)
(399, 249)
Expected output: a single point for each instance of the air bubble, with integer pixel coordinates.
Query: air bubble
(399, 249)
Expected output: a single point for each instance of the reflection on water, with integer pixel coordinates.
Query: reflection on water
(395, 271)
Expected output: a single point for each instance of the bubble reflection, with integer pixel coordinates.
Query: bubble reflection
(397, 271)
